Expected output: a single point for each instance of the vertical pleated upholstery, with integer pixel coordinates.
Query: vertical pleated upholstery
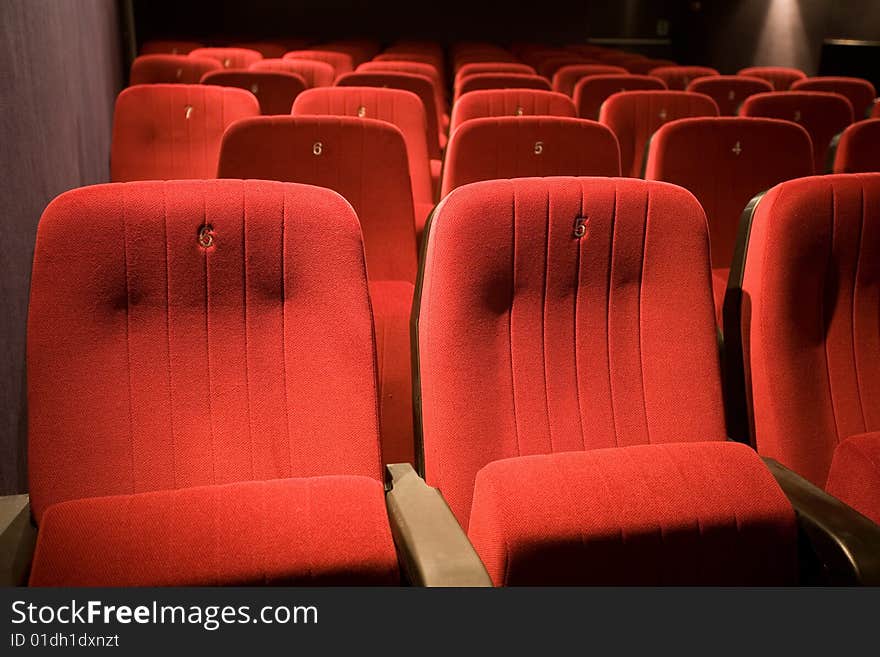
(591, 91)
(729, 91)
(193, 333)
(532, 340)
(522, 146)
(811, 324)
(678, 78)
(170, 69)
(858, 150)
(173, 131)
(229, 57)
(510, 102)
(316, 74)
(567, 77)
(634, 116)
(340, 61)
(781, 77)
(275, 90)
(860, 93)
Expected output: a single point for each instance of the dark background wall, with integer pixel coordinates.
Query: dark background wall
(60, 70)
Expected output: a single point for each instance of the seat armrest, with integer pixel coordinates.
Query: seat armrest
(846, 543)
(18, 537)
(434, 550)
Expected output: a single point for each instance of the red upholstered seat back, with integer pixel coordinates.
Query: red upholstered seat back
(191, 335)
(416, 68)
(523, 146)
(340, 61)
(316, 74)
(562, 314)
(168, 131)
(729, 91)
(679, 77)
(590, 92)
(275, 90)
(724, 162)
(811, 302)
(858, 149)
(362, 159)
(420, 85)
(860, 93)
(159, 47)
(401, 108)
(822, 114)
(229, 57)
(510, 102)
(781, 77)
(633, 116)
(567, 77)
(491, 67)
(170, 69)
(501, 81)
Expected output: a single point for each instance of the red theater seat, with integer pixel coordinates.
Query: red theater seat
(395, 106)
(824, 115)
(679, 77)
(169, 47)
(591, 92)
(208, 357)
(577, 451)
(316, 74)
(857, 149)
(414, 68)
(268, 49)
(724, 162)
(633, 116)
(491, 67)
(340, 61)
(875, 111)
(365, 161)
(567, 77)
(275, 90)
(549, 66)
(808, 318)
(780, 77)
(501, 81)
(645, 66)
(522, 146)
(420, 85)
(229, 57)
(167, 131)
(510, 102)
(860, 93)
(729, 91)
(170, 69)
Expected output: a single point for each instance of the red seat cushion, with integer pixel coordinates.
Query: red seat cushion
(319, 530)
(680, 513)
(855, 474)
(275, 90)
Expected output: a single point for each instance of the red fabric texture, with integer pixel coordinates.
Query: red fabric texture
(858, 150)
(550, 65)
(679, 77)
(875, 111)
(566, 77)
(365, 161)
(479, 81)
(170, 69)
(392, 306)
(633, 116)
(420, 85)
(780, 77)
(268, 49)
(510, 102)
(400, 108)
(167, 131)
(854, 476)
(590, 92)
(525, 146)
(600, 341)
(362, 159)
(822, 114)
(275, 90)
(316, 74)
(724, 162)
(860, 93)
(340, 61)
(229, 57)
(491, 67)
(195, 365)
(290, 532)
(729, 91)
(809, 321)
(644, 66)
(706, 513)
(158, 47)
(358, 52)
